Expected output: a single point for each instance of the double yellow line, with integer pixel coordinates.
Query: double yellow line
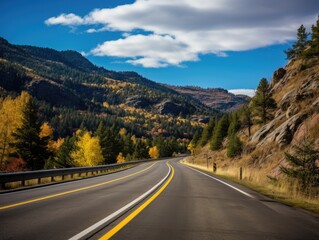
(72, 191)
(130, 217)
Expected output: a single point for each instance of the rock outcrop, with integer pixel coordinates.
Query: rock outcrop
(296, 90)
(54, 93)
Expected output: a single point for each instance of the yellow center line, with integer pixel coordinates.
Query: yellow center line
(72, 191)
(130, 217)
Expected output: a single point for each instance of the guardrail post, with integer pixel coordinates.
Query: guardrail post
(52, 179)
(214, 167)
(3, 186)
(241, 173)
(39, 180)
(23, 183)
(62, 177)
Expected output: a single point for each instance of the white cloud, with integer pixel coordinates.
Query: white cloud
(65, 19)
(248, 92)
(147, 50)
(193, 27)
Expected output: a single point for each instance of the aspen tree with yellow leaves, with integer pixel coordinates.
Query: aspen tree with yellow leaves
(153, 152)
(87, 151)
(11, 113)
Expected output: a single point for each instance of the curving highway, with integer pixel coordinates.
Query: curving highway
(156, 200)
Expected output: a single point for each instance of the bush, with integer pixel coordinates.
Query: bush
(234, 147)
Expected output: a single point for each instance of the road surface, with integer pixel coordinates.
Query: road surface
(156, 200)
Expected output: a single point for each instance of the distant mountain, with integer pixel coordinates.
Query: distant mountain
(72, 90)
(216, 98)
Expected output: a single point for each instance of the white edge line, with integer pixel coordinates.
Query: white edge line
(216, 179)
(118, 212)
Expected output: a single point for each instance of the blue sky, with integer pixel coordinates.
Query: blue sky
(209, 43)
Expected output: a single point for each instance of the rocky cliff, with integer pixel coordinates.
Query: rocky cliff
(215, 98)
(295, 89)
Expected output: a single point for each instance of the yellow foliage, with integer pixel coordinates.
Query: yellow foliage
(134, 139)
(120, 158)
(46, 130)
(106, 104)
(191, 148)
(11, 113)
(153, 152)
(88, 150)
(123, 132)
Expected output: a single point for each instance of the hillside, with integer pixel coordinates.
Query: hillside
(65, 81)
(295, 121)
(216, 98)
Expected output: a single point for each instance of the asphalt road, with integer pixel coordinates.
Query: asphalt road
(187, 205)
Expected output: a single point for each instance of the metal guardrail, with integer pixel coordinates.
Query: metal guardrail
(28, 175)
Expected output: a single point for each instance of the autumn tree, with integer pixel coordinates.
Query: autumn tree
(300, 45)
(87, 151)
(11, 113)
(153, 152)
(28, 143)
(120, 158)
(263, 102)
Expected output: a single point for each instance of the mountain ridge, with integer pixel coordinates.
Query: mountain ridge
(216, 98)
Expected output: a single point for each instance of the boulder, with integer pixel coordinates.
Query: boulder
(277, 76)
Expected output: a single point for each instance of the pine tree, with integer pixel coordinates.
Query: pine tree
(234, 124)
(140, 150)
(109, 142)
(220, 132)
(207, 133)
(28, 143)
(314, 42)
(246, 118)
(300, 45)
(196, 138)
(263, 102)
(303, 166)
(234, 146)
(63, 158)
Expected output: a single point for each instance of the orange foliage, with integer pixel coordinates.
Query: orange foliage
(15, 165)
(153, 152)
(120, 158)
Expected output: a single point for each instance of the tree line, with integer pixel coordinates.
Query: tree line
(27, 143)
(257, 111)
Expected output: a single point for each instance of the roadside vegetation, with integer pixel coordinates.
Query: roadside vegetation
(276, 148)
